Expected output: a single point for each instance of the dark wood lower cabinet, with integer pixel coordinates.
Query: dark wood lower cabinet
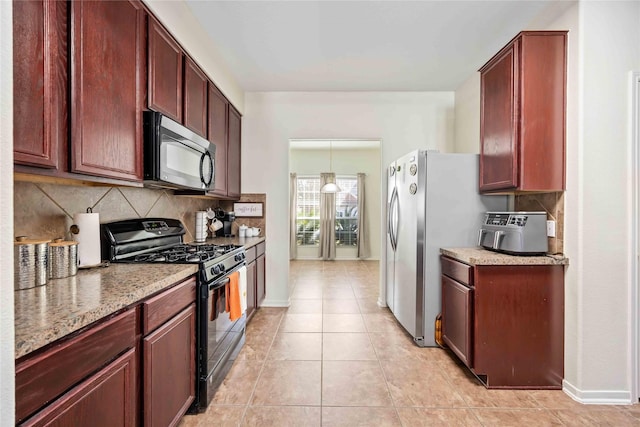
(507, 323)
(169, 370)
(251, 288)
(457, 312)
(134, 368)
(105, 399)
(260, 273)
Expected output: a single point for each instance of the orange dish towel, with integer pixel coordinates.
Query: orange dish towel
(234, 306)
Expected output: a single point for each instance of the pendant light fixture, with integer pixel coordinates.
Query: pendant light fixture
(330, 187)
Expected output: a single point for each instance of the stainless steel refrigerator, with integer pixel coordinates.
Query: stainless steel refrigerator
(432, 202)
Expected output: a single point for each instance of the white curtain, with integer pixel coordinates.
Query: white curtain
(327, 219)
(293, 212)
(362, 238)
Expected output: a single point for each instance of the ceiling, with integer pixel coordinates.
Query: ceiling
(392, 45)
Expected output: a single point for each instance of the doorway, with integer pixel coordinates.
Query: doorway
(345, 158)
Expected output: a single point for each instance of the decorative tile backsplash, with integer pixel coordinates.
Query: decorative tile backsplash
(553, 204)
(261, 223)
(43, 210)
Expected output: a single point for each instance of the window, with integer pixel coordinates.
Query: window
(308, 211)
(347, 211)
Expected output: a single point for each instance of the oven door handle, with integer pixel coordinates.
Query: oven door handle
(223, 281)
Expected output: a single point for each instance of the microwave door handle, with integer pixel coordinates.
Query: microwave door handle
(206, 181)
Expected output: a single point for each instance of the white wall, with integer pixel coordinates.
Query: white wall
(467, 116)
(180, 21)
(7, 339)
(402, 121)
(348, 162)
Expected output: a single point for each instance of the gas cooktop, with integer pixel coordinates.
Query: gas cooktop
(185, 253)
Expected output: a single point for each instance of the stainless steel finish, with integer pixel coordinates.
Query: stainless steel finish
(63, 259)
(519, 233)
(30, 261)
(445, 211)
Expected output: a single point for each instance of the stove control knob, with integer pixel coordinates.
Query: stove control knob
(222, 268)
(239, 257)
(215, 269)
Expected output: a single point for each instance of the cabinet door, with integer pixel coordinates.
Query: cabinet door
(105, 399)
(165, 72)
(498, 131)
(107, 70)
(195, 98)
(251, 288)
(457, 318)
(233, 155)
(39, 82)
(218, 113)
(170, 370)
(260, 280)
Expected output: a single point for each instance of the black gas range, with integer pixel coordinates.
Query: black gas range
(160, 240)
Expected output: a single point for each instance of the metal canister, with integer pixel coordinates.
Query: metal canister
(30, 261)
(63, 259)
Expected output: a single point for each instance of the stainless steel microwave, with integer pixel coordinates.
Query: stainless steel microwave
(174, 156)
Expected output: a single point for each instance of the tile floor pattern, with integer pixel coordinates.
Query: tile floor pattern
(334, 358)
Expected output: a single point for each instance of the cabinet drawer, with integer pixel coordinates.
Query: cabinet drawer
(457, 270)
(260, 248)
(250, 254)
(160, 308)
(45, 376)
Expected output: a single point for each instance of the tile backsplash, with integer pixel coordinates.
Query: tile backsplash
(260, 222)
(553, 204)
(44, 210)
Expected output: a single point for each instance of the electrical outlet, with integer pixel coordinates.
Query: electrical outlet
(551, 229)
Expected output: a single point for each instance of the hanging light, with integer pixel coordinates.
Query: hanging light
(330, 187)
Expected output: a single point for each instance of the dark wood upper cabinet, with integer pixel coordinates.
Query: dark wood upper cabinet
(40, 83)
(107, 92)
(522, 115)
(233, 155)
(195, 98)
(218, 113)
(165, 58)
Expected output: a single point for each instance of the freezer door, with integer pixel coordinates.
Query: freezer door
(390, 251)
(410, 196)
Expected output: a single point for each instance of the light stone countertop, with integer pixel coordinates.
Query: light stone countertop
(62, 306)
(481, 256)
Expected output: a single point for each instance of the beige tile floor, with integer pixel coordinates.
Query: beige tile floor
(334, 358)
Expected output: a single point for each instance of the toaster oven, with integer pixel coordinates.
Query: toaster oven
(516, 233)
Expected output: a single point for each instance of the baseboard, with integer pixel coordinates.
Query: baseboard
(275, 303)
(597, 397)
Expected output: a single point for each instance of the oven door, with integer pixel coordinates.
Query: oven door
(222, 331)
(220, 338)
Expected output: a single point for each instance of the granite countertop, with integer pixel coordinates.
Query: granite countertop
(63, 306)
(481, 256)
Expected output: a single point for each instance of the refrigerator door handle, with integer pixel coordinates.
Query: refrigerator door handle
(393, 219)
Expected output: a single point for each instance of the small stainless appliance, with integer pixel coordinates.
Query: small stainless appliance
(176, 157)
(159, 240)
(516, 233)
